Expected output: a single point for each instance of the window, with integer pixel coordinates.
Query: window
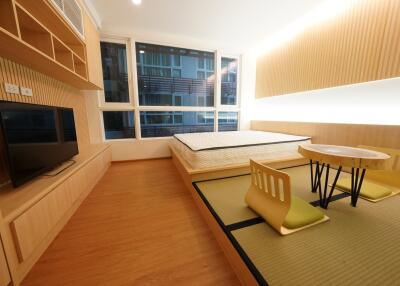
(171, 71)
(115, 72)
(227, 121)
(119, 124)
(175, 91)
(168, 123)
(228, 81)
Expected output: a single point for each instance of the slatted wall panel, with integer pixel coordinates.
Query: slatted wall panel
(46, 91)
(362, 44)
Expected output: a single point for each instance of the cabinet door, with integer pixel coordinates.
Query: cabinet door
(4, 274)
(93, 53)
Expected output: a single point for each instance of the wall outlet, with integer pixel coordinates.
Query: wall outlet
(26, 91)
(11, 88)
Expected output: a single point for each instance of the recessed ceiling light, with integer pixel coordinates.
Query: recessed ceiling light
(141, 51)
(137, 2)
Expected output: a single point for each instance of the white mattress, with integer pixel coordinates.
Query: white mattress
(217, 149)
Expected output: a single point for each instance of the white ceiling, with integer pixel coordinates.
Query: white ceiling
(231, 25)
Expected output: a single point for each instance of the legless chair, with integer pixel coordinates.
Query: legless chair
(269, 195)
(378, 184)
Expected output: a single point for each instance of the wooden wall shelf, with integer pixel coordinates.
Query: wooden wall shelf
(45, 13)
(63, 54)
(34, 34)
(7, 17)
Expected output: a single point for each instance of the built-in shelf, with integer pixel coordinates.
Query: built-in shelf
(33, 33)
(7, 17)
(63, 54)
(46, 13)
(80, 67)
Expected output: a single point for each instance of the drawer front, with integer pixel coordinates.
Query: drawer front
(31, 228)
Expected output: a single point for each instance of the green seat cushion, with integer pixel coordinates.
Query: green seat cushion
(301, 214)
(368, 190)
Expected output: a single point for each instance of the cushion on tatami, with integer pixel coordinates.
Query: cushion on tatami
(301, 214)
(368, 190)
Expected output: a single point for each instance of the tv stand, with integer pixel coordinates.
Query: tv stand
(32, 215)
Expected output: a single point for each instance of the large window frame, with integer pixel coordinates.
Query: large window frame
(133, 104)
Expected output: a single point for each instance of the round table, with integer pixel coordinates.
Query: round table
(342, 156)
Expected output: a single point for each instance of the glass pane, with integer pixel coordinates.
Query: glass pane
(119, 124)
(228, 81)
(227, 121)
(165, 73)
(115, 72)
(161, 124)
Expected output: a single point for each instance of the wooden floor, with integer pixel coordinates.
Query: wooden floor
(139, 226)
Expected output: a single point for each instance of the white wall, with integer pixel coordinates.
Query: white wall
(376, 102)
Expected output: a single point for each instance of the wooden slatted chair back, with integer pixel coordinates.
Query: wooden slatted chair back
(269, 194)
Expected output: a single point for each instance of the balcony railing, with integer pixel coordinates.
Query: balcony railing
(170, 85)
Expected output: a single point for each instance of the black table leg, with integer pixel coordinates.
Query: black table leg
(316, 184)
(356, 183)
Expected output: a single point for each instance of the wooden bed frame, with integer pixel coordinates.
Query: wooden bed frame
(193, 175)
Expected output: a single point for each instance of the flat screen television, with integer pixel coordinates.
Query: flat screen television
(37, 138)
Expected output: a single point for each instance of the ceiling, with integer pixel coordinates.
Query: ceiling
(231, 25)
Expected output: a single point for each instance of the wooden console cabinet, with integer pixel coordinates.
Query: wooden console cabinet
(33, 214)
(5, 278)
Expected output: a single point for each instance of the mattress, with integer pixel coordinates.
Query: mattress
(218, 149)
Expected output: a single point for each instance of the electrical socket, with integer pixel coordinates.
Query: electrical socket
(26, 91)
(11, 88)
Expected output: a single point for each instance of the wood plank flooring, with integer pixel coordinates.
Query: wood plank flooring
(139, 226)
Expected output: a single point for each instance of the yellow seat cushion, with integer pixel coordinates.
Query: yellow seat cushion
(301, 214)
(368, 190)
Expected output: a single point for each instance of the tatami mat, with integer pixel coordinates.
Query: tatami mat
(226, 196)
(358, 246)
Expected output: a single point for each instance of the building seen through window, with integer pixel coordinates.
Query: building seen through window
(169, 76)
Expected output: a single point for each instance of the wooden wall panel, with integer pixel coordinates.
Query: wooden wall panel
(362, 44)
(337, 134)
(46, 91)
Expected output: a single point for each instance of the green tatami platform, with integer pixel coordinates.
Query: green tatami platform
(358, 246)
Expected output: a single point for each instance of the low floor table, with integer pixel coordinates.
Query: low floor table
(359, 160)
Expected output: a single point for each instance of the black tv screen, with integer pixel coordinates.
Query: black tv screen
(37, 138)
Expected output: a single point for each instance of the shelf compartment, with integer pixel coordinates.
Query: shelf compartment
(34, 33)
(80, 67)
(63, 54)
(7, 17)
(48, 15)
